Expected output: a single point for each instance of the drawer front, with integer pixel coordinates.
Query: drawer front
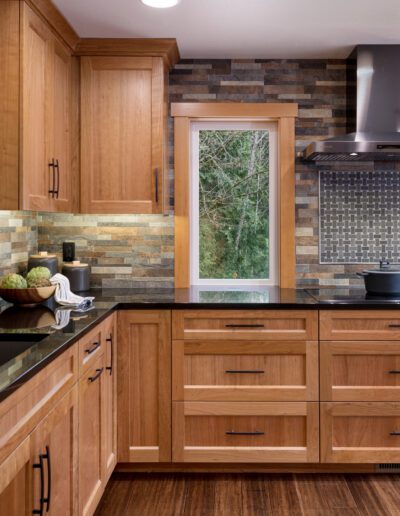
(360, 371)
(360, 325)
(245, 371)
(245, 432)
(91, 346)
(27, 406)
(245, 325)
(360, 432)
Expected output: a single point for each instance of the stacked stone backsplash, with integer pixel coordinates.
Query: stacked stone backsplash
(18, 239)
(319, 88)
(124, 251)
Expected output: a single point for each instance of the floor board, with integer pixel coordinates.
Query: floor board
(193, 494)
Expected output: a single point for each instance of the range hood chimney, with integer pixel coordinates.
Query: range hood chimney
(373, 109)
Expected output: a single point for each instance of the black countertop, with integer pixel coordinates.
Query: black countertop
(62, 329)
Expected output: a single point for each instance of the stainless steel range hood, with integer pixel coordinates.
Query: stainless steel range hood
(373, 109)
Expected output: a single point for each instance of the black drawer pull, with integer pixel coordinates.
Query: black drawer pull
(91, 350)
(39, 466)
(394, 371)
(394, 325)
(245, 371)
(244, 326)
(394, 433)
(97, 375)
(110, 340)
(47, 457)
(232, 432)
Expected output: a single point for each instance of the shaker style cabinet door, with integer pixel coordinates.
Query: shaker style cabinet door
(122, 150)
(144, 386)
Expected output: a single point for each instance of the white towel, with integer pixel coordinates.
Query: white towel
(65, 297)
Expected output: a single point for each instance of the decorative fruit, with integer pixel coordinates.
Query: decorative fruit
(13, 280)
(39, 282)
(37, 273)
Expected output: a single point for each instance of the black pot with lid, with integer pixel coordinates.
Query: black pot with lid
(383, 281)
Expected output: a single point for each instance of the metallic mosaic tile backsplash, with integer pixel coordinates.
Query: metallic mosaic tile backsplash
(359, 216)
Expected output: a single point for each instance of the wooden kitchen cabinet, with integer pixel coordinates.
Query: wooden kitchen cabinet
(123, 134)
(91, 436)
(54, 456)
(360, 371)
(244, 370)
(16, 481)
(364, 432)
(48, 176)
(110, 396)
(245, 432)
(144, 386)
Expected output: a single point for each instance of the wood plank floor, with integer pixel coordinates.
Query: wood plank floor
(250, 494)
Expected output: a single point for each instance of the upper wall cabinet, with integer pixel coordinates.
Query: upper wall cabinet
(47, 176)
(39, 124)
(123, 113)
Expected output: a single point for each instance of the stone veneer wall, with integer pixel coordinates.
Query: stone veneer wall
(319, 88)
(124, 251)
(18, 239)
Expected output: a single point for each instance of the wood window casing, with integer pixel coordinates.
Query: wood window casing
(284, 114)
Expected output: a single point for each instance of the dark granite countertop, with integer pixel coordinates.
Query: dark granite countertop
(61, 329)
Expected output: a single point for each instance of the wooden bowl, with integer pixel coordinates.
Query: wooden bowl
(27, 296)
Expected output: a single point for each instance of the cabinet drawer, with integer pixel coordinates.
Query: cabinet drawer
(22, 410)
(245, 432)
(360, 325)
(245, 325)
(91, 346)
(245, 371)
(360, 432)
(360, 371)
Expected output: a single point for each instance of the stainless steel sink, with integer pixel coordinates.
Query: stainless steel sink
(13, 344)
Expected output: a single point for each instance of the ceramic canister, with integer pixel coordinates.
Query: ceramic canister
(78, 275)
(43, 259)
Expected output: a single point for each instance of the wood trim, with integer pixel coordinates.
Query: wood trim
(284, 114)
(9, 104)
(262, 111)
(50, 13)
(166, 48)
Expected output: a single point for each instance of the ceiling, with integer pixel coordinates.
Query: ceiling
(243, 28)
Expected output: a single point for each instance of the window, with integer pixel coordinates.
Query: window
(233, 203)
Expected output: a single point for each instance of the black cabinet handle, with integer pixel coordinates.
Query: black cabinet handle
(52, 165)
(245, 371)
(91, 350)
(110, 340)
(232, 432)
(394, 433)
(39, 466)
(394, 371)
(57, 175)
(244, 326)
(46, 456)
(394, 325)
(156, 184)
(97, 375)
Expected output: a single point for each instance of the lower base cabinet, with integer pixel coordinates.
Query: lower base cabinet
(245, 432)
(91, 435)
(360, 432)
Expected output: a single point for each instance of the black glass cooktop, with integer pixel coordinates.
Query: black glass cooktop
(343, 296)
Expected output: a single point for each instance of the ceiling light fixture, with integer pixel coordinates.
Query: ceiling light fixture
(160, 4)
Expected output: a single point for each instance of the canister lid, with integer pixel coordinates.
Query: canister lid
(75, 263)
(43, 254)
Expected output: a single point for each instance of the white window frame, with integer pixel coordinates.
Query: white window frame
(272, 128)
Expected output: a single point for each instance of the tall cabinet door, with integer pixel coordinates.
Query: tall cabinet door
(36, 105)
(110, 396)
(54, 456)
(122, 151)
(144, 386)
(61, 127)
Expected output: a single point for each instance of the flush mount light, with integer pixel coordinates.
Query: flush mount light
(160, 4)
